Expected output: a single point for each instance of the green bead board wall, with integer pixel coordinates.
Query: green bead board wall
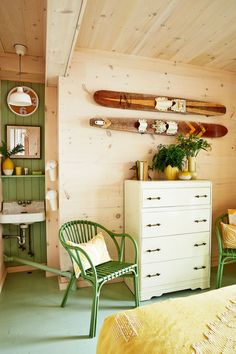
(24, 188)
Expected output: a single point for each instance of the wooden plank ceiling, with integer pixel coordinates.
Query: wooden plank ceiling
(22, 22)
(197, 32)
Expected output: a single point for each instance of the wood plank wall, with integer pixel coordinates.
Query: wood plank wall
(94, 162)
(51, 153)
(24, 188)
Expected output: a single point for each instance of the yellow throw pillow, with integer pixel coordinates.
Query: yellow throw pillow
(229, 235)
(95, 248)
(232, 216)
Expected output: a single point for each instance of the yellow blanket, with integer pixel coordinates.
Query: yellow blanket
(168, 327)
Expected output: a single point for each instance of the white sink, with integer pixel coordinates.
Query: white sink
(24, 213)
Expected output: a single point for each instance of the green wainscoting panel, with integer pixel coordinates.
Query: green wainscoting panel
(24, 187)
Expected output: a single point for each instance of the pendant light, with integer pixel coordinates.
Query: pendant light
(20, 98)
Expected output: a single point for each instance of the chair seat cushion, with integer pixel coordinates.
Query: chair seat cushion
(229, 235)
(96, 249)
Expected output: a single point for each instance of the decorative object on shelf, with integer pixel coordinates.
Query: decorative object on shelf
(142, 170)
(160, 126)
(139, 101)
(51, 167)
(168, 159)
(18, 170)
(6, 153)
(8, 167)
(192, 145)
(185, 175)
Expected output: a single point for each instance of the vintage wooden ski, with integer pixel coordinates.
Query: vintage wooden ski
(138, 101)
(159, 126)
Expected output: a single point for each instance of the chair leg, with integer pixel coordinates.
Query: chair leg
(219, 273)
(136, 289)
(69, 286)
(94, 312)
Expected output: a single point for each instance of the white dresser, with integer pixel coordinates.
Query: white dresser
(171, 222)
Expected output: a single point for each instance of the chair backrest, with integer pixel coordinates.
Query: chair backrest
(222, 218)
(78, 231)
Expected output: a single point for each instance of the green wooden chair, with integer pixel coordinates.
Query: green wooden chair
(81, 231)
(226, 255)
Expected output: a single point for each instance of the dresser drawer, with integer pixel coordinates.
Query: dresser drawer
(161, 223)
(174, 271)
(175, 197)
(166, 248)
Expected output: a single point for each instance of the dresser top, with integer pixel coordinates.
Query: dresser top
(170, 184)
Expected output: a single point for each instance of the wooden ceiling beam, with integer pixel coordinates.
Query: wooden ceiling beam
(63, 24)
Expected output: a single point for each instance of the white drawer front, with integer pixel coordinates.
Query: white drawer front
(174, 271)
(176, 197)
(161, 223)
(166, 248)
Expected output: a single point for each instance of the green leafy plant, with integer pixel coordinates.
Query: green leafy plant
(6, 152)
(192, 145)
(172, 155)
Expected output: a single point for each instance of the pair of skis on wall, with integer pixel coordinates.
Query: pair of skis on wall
(137, 101)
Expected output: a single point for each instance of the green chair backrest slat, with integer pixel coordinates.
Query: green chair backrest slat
(78, 231)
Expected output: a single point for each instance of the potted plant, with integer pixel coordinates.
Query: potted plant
(6, 153)
(168, 159)
(192, 145)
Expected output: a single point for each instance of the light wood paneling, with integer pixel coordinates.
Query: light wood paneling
(23, 22)
(51, 140)
(94, 162)
(199, 32)
(63, 23)
(32, 68)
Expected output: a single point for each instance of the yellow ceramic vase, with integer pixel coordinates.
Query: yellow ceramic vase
(192, 166)
(171, 172)
(8, 167)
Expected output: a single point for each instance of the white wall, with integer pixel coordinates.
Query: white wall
(94, 163)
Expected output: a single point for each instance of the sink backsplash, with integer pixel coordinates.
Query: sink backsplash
(29, 206)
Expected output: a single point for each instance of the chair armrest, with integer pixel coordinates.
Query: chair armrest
(120, 248)
(121, 255)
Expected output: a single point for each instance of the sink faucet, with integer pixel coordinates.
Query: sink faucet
(23, 202)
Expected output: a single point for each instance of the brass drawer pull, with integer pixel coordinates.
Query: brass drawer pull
(151, 225)
(153, 198)
(203, 220)
(200, 244)
(153, 275)
(156, 250)
(201, 196)
(197, 268)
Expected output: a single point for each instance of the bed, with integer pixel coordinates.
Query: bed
(202, 323)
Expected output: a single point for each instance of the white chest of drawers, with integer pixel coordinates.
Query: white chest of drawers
(171, 222)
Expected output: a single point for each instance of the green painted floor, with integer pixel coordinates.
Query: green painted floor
(32, 321)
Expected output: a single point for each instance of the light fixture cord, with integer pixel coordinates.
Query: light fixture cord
(20, 67)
